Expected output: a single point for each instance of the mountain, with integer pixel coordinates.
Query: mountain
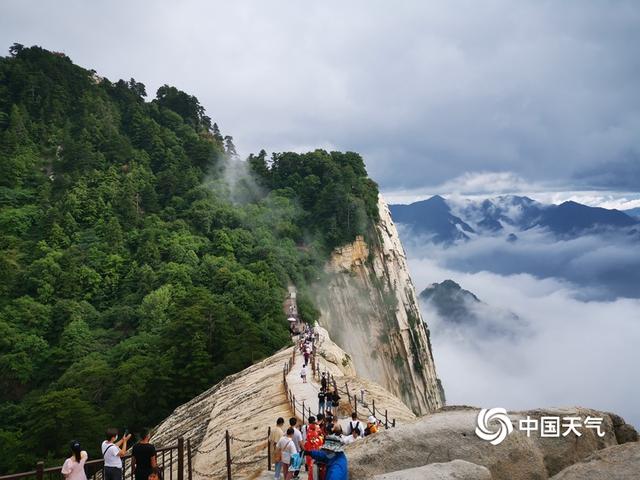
(451, 301)
(433, 218)
(446, 221)
(135, 275)
(460, 309)
(633, 212)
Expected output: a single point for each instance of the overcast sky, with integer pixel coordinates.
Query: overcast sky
(545, 93)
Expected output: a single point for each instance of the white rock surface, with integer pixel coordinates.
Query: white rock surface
(450, 434)
(454, 470)
(369, 308)
(621, 462)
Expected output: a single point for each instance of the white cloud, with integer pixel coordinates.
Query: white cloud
(481, 185)
(575, 352)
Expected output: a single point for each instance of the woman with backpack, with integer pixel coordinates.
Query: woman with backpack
(285, 448)
(73, 468)
(354, 424)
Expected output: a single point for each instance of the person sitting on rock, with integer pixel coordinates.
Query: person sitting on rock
(372, 426)
(355, 435)
(332, 457)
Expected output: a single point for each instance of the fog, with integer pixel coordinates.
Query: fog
(569, 350)
(601, 266)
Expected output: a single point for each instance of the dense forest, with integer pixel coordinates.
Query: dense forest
(134, 273)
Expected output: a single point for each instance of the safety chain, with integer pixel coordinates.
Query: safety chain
(208, 450)
(242, 440)
(251, 462)
(207, 475)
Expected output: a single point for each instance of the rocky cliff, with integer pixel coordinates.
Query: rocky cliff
(247, 403)
(369, 307)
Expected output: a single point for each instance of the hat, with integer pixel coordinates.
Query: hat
(372, 419)
(333, 443)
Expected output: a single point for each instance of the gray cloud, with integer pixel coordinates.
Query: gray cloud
(542, 89)
(600, 267)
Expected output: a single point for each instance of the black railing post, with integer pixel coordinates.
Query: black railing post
(189, 467)
(393, 424)
(269, 449)
(40, 470)
(228, 445)
(180, 458)
(373, 402)
(386, 420)
(303, 411)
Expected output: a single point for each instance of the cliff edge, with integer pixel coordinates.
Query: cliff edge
(370, 310)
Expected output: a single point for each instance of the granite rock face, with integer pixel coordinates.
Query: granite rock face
(620, 462)
(449, 434)
(370, 310)
(454, 470)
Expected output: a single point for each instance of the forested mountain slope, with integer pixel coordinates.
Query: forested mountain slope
(133, 276)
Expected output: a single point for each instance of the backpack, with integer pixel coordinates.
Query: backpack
(352, 427)
(295, 463)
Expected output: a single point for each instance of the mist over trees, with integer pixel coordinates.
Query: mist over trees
(129, 282)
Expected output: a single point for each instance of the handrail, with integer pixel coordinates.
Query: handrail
(94, 467)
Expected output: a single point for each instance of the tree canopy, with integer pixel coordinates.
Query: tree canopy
(132, 279)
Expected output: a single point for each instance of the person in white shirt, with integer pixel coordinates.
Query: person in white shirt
(297, 436)
(355, 435)
(112, 453)
(354, 423)
(303, 374)
(73, 468)
(287, 447)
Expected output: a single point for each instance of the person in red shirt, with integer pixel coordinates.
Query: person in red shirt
(314, 442)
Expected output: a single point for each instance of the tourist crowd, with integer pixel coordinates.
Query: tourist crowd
(143, 458)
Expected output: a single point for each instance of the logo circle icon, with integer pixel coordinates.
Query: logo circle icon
(487, 419)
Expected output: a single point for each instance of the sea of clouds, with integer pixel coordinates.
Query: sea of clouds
(577, 339)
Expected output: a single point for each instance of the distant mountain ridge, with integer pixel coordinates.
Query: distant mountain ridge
(461, 309)
(446, 221)
(633, 212)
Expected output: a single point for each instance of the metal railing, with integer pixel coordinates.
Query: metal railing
(305, 410)
(170, 462)
(230, 460)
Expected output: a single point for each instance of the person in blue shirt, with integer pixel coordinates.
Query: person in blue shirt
(333, 457)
